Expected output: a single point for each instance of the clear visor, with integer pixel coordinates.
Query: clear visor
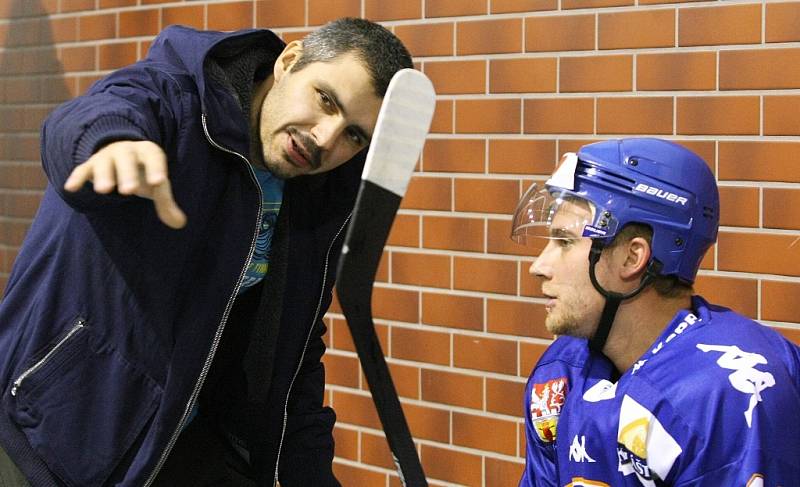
(554, 214)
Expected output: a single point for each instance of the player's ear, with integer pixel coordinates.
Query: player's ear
(291, 53)
(635, 259)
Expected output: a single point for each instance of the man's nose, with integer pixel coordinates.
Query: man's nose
(328, 130)
(541, 267)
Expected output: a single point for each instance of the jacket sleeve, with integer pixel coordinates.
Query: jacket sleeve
(307, 457)
(138, 102)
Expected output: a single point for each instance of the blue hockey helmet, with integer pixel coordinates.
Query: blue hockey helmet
(635, 180)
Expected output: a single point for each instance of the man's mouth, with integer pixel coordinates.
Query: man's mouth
(550, 303)
(297, 154)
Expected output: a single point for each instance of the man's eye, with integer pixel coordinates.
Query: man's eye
(355, 137)
(325, 100)
(565, 242)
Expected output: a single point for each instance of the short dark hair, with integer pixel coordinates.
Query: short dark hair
(381, 52)
(666, 286)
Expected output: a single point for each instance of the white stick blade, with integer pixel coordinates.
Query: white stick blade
(403, 123)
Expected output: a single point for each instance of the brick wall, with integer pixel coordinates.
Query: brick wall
(519, 82)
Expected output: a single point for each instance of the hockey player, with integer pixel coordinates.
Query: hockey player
(647, 384)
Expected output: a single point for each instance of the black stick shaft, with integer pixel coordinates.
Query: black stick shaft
(372, 219)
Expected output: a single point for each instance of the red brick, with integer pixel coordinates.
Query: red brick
(759, 253)
(421, 270)
(559, 116)
(453, 233)
(791, 334)
(739, 207)
(426, 193)
(521, 318)
(395, 304)
(421, 346)
(491, 276)
(117, 3)
(782, 115)
(768, 69)
(529, 355)
(653, 28)
(346, 443)
(560, 33)
(452, 311)
(117, 55)
(341, 370)
(505, 35)
(405, 379)
(77, 5)
(759, 161)
(507, 6)
(486, 195)
(484, 433)
(375, 451)
(676, 71)
(783, 22)
(96, 27)
(738, 294)
(349, 475)
(482, 353)
(230, 16)
(427, 39)
(405, 231)
(20, 205)
(452, 466)
(572, 4)
(139, 23)
(454, 8)
(461, 390)
(501, 472)
(343, 341)
(733, 24)
(470, 78)
(534, 75)
(596, 73)
(428, 423)
(504, 396)
(522, 156)
(379, 10)
(278, 13)
(719, 115)
(454, 155)
(323, 11)
(193, 16)
(635, 115)
(81, 58)
(779, 301)
(442, 122)
(355, 409)
(488, 116)
(780, 208)
(64, 30)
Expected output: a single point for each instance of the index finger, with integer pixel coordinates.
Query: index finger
(166, 207)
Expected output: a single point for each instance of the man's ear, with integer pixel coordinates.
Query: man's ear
(637, 255)
(291, 53)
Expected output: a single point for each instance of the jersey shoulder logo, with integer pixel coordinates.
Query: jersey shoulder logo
(577, 451)
(745, 377)
(547, 399)
(644, 447)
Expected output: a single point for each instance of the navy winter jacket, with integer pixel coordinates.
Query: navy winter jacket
(113, 325)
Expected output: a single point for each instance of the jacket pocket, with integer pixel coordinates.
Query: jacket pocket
(81, 406)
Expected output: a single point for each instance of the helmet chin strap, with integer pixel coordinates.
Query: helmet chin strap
(613, 299)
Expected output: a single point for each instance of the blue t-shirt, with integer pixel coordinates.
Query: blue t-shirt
(713, 402)
(271, 198)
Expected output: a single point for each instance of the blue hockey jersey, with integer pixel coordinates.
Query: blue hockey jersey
(714, 402)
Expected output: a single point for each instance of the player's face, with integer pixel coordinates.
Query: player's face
(317, 118)
(573, 305)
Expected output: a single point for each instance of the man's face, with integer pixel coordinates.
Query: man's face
(573, 306)
(315, 119)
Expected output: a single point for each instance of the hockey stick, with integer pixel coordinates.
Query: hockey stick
(403, 123)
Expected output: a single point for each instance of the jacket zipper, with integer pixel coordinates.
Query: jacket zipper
(80, 323)
(221, 327)
(305, 346)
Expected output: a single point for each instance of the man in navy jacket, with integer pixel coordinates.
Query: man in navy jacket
(162, 324)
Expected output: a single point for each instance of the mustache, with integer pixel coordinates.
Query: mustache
(308, 146)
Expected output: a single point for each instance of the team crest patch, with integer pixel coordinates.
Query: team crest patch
(546, 402)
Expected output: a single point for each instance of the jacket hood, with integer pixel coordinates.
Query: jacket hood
(191, 48)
